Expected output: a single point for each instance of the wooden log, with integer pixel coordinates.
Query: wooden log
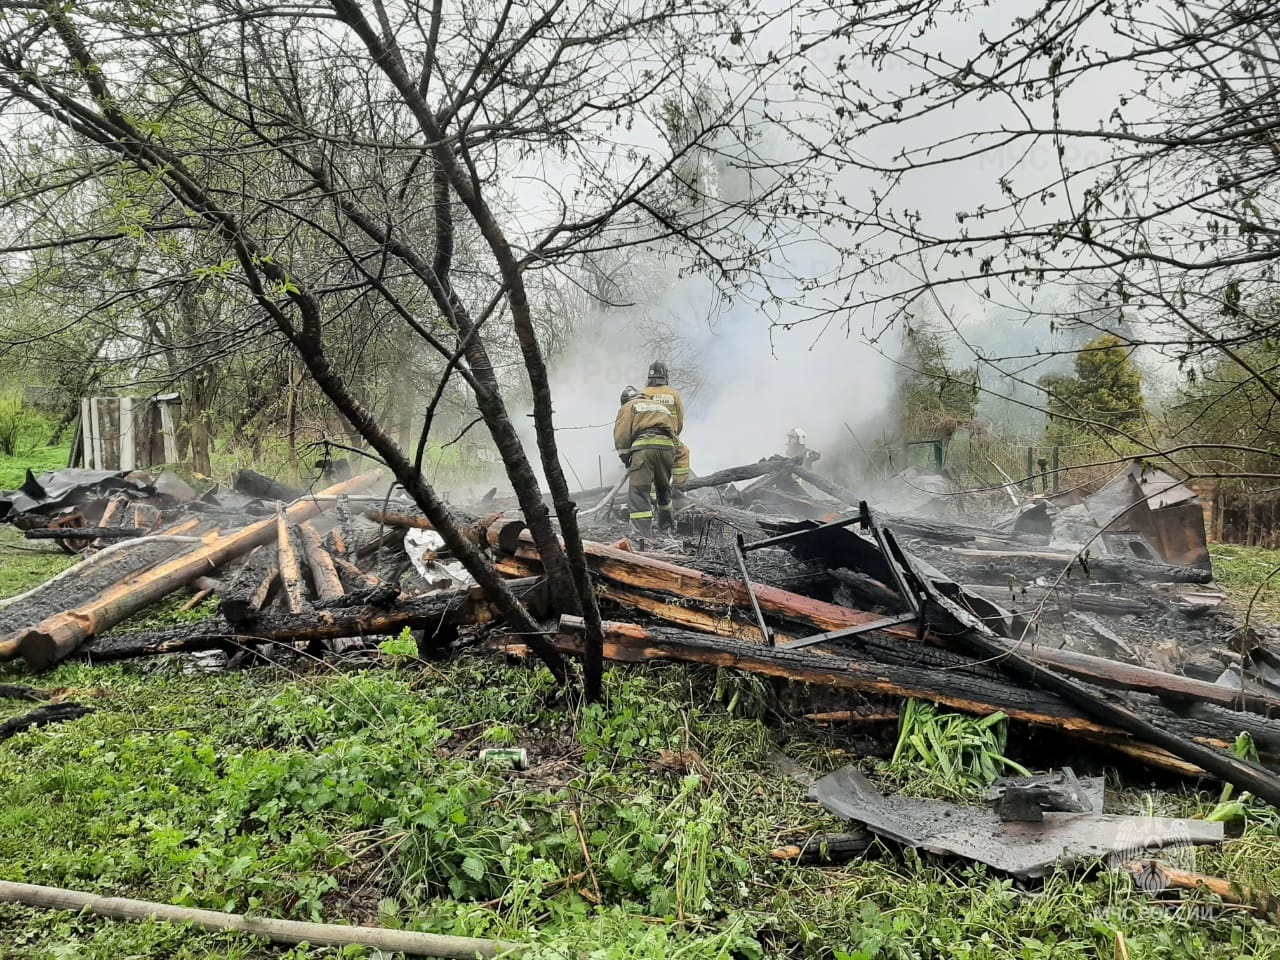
(86, 579)
(1168, 686)
(251, 588)
(56, 637)
(111, 517)
(279, 931)
(42, 716)
(295, 591)
(829, 487)
(825, 848)
(382, 538)
(146, 515)
(324, 575)
(407, 520)
(83, 533)
(197, 598)
(959, 683)
(735, 474)
(343, 534)
(12, 691)
(254, 484)
(356, 576)
(853, 716)
(661, 577)
(114, 511)
(450, 608)
(998, 564)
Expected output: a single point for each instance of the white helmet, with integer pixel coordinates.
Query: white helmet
(797, 433)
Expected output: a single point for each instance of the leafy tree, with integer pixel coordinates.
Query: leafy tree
(1104, 392)
(934, 396)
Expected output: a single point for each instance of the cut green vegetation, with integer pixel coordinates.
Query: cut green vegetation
(947, 754)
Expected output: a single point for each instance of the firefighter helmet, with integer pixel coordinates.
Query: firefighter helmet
(657, 372)
(629, 393)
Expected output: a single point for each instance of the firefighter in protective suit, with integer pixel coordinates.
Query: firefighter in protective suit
(644, 434)
(657, 388)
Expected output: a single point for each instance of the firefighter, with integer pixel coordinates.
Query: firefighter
(644, 434)
(658, 388)
(796, 447)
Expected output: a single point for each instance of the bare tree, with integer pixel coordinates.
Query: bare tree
(416, 162)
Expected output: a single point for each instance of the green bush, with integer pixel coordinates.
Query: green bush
(14, 424)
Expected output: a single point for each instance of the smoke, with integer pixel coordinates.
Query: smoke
(745, 382)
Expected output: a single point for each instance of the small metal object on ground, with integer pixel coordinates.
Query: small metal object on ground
(517, 758)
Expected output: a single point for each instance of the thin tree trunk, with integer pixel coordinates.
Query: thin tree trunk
(117, 133)
(388, 60)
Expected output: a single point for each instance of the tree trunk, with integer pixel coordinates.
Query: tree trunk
(448, 167)
(298, 315)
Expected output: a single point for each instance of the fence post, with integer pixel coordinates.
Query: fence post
(1030, 483)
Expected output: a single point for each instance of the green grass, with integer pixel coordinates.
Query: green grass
(25, 563)
(1242, 571)
(358, 797)
(39, 457)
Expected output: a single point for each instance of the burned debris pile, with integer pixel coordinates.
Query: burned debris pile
(775, 570)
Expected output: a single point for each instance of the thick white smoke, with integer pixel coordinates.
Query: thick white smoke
(745, 384)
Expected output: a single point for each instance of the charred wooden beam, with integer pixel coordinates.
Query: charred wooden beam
(448, 608)
(736, 474)
(382, 538)
(42, 716)
(254, 484)
(147, 516)
(825, 848)
(56, 637)
(1014, 560)
(295, 591)
(356, 576)
(954, 681)
(83, 533)
(13, 691)
(324, 575)
(81, 583)
(829, 487)
(409, 520)
(248, 593)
